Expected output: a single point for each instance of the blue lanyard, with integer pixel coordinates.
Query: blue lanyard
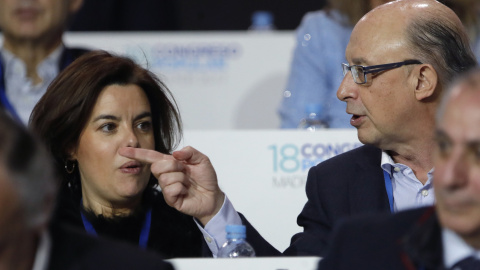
(144, 233)
(389, 188)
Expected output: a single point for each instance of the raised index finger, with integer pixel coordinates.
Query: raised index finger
(142, 155)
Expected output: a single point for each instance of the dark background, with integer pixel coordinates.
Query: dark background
(186, 15)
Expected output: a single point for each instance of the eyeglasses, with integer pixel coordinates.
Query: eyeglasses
(359, 73)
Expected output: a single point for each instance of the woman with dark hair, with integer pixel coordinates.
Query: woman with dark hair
(97, 105)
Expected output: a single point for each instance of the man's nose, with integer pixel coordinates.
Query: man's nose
(348, 88)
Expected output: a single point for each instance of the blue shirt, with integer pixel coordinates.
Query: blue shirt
(316, 71)
(22, 93)
(408, 191)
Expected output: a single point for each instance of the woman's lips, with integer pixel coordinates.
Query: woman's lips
(132, 167)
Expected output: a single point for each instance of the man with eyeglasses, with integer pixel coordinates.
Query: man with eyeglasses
(442, 237)
(401, 56)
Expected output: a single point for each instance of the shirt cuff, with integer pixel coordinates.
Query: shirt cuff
(214, 232)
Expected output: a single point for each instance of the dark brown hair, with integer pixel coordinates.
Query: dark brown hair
(62, 113)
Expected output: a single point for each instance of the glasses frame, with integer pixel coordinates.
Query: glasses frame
(373, 69)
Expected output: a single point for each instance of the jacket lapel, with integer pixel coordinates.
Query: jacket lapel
(367, 188)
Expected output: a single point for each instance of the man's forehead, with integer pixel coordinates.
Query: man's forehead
(368, 46)
(461, 118)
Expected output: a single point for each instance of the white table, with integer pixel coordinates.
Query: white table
(263, 263)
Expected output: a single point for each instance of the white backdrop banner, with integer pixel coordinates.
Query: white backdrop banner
(263, 172)
(221, 80)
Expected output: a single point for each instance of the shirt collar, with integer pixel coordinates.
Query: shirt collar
(455, 248)
(387, 164)
(45, 69)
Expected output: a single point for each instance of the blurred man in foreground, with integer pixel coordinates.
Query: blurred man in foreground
(446, 236)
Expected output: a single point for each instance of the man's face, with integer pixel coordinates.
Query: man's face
(381, 107)
(34, 19)
(457, 163)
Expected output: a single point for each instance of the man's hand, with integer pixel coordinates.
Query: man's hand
(187, 178)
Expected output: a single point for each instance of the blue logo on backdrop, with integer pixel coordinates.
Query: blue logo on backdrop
(290, 158)
(291, 162)
(187, 56)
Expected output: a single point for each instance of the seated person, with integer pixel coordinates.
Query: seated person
(96, 106)
(442, 237)
(27, 193)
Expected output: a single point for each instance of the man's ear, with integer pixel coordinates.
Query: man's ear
(426, 80)
(75, 5)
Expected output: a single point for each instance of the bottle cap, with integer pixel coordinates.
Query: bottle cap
(262, 18)
(314, 108)
(236, 229)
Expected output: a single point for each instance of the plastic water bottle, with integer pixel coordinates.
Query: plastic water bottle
(313, 118)
(236, 245)
(262, 21)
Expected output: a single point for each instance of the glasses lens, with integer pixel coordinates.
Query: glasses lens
(358, 75)
(345, 69)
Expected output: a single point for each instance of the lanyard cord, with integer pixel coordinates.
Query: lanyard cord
(389, 188)
(144, 233)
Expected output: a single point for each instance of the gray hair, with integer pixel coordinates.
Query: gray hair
(436, 39)
(469, 80)
(29, 167)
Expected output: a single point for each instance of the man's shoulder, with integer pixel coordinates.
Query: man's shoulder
(373, 241)
(74, 249)
(365, 154)
(382, 226)
(76, 52)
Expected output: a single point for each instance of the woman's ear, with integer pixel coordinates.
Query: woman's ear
(71, 153)
(426, 81)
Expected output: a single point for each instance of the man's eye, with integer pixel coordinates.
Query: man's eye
(444, 146)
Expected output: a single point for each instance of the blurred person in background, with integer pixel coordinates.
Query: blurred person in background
(32, 53)
(27, 194)
(322, 38)
(96, 106)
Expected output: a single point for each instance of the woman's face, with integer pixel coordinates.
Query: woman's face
(121, 117)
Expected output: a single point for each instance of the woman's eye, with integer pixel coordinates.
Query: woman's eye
(108, 127)
(145, 126)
